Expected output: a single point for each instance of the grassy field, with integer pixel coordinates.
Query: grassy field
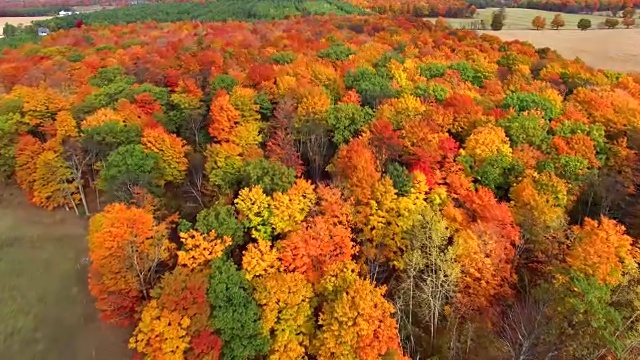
(520, 19)
(46, 312)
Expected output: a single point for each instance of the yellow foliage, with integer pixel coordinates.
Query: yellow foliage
(357, 322)
(40, 104)
(171, 149)
(65, 125)
(387, 217)
(399, 110)
(54, 182)
(287, 314)
(199, 249)
(101, 117)
(314, 102)
(243, 100)
(260, 259)
(400, 77)
(161, 334)
(485, 142)
(247, 134)
(290, 209)
(253, 206)
(285, 84)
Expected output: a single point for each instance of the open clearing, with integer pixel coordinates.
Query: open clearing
(520, 19)
(20, 20)
(606, 49)
(46, 312)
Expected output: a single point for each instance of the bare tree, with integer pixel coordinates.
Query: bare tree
(196, 182)
(521, 328)
(78, 161)
(430, 278)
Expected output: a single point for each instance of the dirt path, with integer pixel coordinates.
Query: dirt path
(606, 49)
(46, 312)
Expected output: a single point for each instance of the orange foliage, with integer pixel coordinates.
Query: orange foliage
(603, 250)
(355, 168)
(125, 246)
(223, 116)
(356, 322)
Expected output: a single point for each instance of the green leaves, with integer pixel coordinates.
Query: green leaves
(336, 52)
(371, 86)
(527, 129)
(128, 167)
(525, 101)
(346, 120)
(102, 140)
(272, 176)
(235, 316)
(222, 219)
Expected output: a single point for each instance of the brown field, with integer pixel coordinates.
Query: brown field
(20, 20)
(606, 49)
(46, 310)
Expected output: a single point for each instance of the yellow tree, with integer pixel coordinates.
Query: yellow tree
(54, 184)
(485, 142)
(199, 249)
(171, 149)
(289, 209)
(356, 321)
(386, 217)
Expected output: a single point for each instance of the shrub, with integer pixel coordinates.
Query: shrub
(336, 52)
(283, 57)
(629, 22)
(497, 19)
(433, 70)
(611, 23)
(584, 24)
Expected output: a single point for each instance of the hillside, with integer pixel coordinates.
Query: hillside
(334, 187)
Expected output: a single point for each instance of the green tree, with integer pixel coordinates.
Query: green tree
(402, 179)
(611, 23)
(8, 137)
(584, 24)
(526, 129)
(235, 316)
(370, 85)
(101, 140)
(129, 167)
(271, 175)
(224, 81)
(346, 120)
(221, 219)
(525, 101)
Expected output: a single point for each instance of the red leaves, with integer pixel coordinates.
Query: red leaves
(205, 346)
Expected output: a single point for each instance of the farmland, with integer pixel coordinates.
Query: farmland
(605, 49)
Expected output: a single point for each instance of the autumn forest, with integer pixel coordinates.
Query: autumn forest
(336, 187)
